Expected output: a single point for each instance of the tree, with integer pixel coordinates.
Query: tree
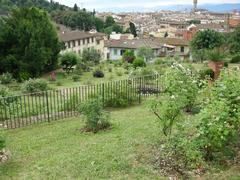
(109, 21)
(68, 60)
(129, 56)
(99, 24)
(75, 8)
(133, 29)
(91, 56)
(145, 52)
(28, 43)
(206, 40)
(166, 34)
(234, 41)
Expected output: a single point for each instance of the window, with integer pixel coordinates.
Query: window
(98, 42)
(122, 52)
(88, 40)
(115, 52)
(83, 41)
(92, 39)
(73, 43)
(79, 42)
(69, 45)
(182, 49)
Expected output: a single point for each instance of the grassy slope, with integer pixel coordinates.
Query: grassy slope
(59, 150)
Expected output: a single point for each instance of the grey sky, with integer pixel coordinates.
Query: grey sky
(90, 4)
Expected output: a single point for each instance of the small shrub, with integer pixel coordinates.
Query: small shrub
(235, 59)
(2, 141)
(119, 73)
(110, 69)
(35, 86)
(139, 62)
(59, 83)
(6, 78)
(24, 76)
(76, 78)
(96, 118)
(159, 61)
(98, 74)
(207, 72)
(4, 91)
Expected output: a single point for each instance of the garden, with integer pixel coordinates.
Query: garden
(136, 118)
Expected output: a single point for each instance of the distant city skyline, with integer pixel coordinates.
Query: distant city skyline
(104, 4)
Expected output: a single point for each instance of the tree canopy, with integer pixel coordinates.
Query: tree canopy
(234, 41)
(145, 52)
(29, 43)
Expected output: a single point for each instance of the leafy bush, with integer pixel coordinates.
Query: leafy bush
(215, 55)
(219, 127)
(235, 59)
(139, 62)
(68, 60)
(207, 72)
(96, 118)
(6, 78)
(119, 73)
(180, 82)
(35, 86)
(129, 56)
(98, 73)
(120, 96)
(91, 56)
(2, 141)
(76, 78)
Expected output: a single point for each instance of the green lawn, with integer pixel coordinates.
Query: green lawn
(60, 151)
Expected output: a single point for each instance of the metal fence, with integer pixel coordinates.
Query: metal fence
(23, 110)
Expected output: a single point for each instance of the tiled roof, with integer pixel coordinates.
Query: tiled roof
(133, 44)
(76, 35)
(173, 41)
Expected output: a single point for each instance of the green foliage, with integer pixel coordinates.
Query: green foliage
(215, 55)
(35, 86)
(109, 21)
(112, 26)
(168, 112)
(218, 130)
(2, 140)
(91, 56)
(68, 60)
(36, 51)
(206, 73)
(6, 78)
(234, 41)
(139, 62)
(145, 52)
(235, 59)
(205, 40)
(96, 117)
(119, 95)
(129, 56)
(98, 73)
(181, 83)
(76, 78)
(133, 29)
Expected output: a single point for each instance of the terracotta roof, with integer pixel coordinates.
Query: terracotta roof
(133, 43)
(75, 35)
(173, 41)
(210, 26)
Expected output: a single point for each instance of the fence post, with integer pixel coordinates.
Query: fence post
(48, 115)
(103, 94)
(139, 90)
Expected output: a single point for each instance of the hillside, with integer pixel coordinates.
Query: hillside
(6, 5)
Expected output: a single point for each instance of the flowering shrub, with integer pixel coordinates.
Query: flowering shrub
(95, 117)
(181, 83)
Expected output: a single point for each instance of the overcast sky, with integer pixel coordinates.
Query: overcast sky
(99, 4)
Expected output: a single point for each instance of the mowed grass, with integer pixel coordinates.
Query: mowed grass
(60, 151)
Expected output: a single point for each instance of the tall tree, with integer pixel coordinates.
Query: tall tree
(75, 8)
(28, 43)
(109, 21)
(133, 29)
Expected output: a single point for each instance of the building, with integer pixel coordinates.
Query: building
(77, 41)
(114, 49)
(174, 46)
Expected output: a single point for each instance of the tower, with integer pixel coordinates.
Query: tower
(195, 5)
